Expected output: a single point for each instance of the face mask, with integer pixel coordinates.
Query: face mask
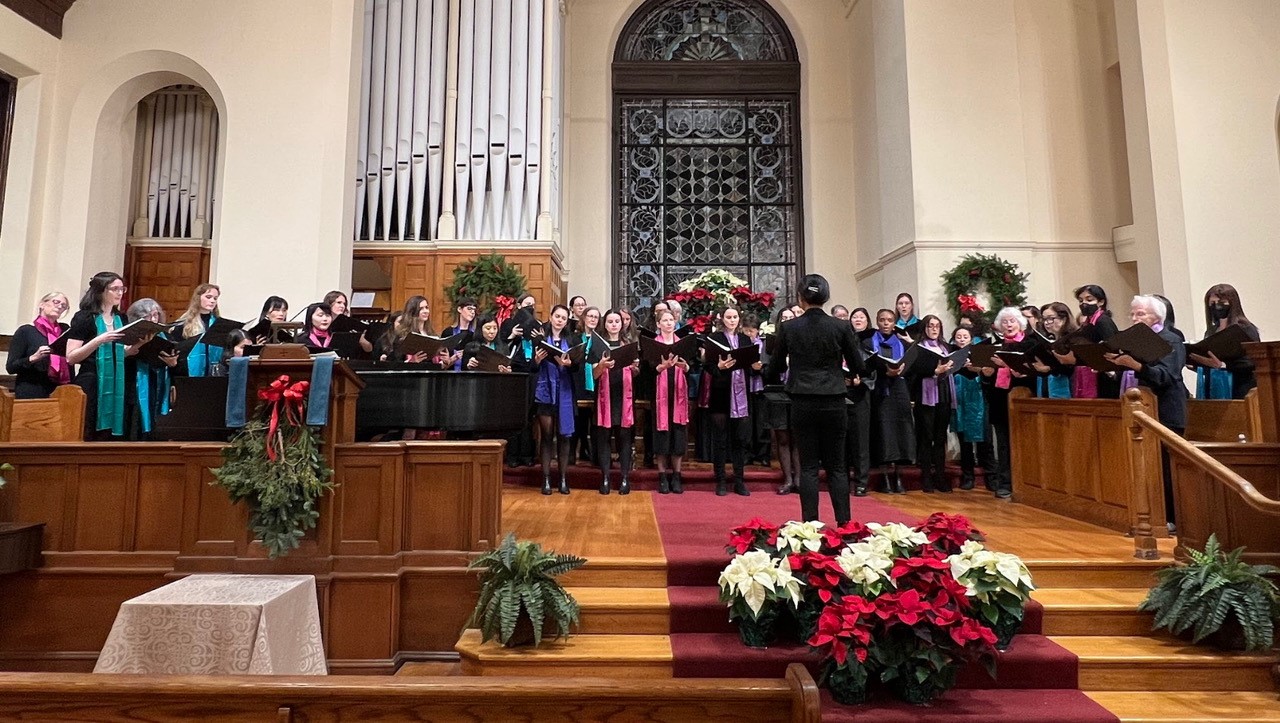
(1220, 311)
(1088, 309)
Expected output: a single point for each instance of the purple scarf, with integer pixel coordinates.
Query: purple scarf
(755, 383)
(929, 385)
(737, 385)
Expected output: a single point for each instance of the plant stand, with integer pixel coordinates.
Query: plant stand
(20, 546)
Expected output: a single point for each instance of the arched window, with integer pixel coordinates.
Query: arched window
(707, 166)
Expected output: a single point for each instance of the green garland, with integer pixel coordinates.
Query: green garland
(484, 278)
(1004, 282)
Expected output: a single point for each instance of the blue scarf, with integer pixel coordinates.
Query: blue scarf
(1213, 384)
(892, 340)
(151, 379)
(588, 375)
(110, 360)
(202, 356)
(554, 386)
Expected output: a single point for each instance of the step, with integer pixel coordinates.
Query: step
(1093, 611)
(607, 656)
(622, 610)
(961, 705)
(1190, 706)
(618, 572)
(1110, 574)
(1112, 662)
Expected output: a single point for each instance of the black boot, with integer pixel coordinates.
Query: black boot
(546, 484)
(676, 486)
(943, 483)
(898, 489)
(966, 480)
(604, 484)
(624, 488)
(721, 487)
(886, 476)
(740, 487)
(926, 480)
(564, 484)
(664, 487)
(859, 490)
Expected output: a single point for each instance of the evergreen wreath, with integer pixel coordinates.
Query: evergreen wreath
(1004, 282)
(485, 278)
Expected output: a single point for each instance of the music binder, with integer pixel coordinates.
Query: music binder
(430, 345)
(915, 329)
(625, 355)
(743, 357)
(1225, 344)
(654, 351)
(219, 332)
(343, 324)
(576, 353)
(924, 360)
(1138, 341)
(151, 351)
(488, 359)
(136, 331)
(981, 355)
(1018, 361)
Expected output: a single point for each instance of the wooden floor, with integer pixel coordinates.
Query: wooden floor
(1089, 583)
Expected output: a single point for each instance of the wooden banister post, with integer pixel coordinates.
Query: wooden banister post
(1144, 460)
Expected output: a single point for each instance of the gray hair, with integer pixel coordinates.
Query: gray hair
(1152, 303)
(50, 297)
(1014, 312)
(675, 307)
(143, 308)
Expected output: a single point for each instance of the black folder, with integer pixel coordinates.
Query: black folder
(654, 351)
(743, 357)
(1225, 344)
(488, 360)
(219, 332)
(981, 355)
(430, 345)
(915, 329)
(1138, 341)
(342, 324)
(135, 332)
(151, 351)
(576, 353)
(625, 355)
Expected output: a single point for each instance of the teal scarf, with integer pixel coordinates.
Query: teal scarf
(151, 381)
(1213, 383)
(110, 359)
(590, 376)
(202, 356)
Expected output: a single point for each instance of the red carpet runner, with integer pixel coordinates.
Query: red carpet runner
(1037, 683)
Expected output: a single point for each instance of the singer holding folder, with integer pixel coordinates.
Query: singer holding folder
(202, 312)
(553, 397)
(615, 401)
(728, 403)
(36, 369)
(813, 346)
(93, 342)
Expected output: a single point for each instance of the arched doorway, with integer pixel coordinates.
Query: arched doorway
(706, 148)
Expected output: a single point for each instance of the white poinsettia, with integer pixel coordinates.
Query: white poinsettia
(902, 537)
(986, 572)
(766, 328)
(867, 563)
(714, 279)
(798, 537)
(754, 576)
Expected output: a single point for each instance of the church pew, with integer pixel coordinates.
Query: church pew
(1206, 505)
(60, 418)
(1224, 420)
(118, 698)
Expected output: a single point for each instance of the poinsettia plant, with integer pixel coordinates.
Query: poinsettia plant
(999, 584)
(757, 533)
(717, 288)
(756, 586)
(947, 533)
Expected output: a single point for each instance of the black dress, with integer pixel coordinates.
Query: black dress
(83, 328)
(31, 380)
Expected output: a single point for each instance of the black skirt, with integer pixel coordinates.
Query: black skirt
(893, 426)
(776, 410)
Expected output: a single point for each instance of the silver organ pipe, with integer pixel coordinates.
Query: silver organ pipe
(175, 166)
(499, 155)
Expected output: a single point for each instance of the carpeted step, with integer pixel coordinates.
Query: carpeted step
(697, 609)
(695, 476)
(1032, 619)
(976, 706)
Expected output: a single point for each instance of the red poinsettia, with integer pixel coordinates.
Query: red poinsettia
(835, 539)
(843, 627)
(701, 324)
(906, 608)
(947, 533)
(820, 572)
(755, 532)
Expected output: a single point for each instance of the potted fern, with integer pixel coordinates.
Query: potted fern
(1217, 598)
(520, 599)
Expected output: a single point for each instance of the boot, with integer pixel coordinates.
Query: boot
(564, 484)
(546, 484)
(887, 476)
(926, 480)
(898, 489)
(740, 487)
(624, 488)
(787, 487)
(966, 480)
(676, 486)
(721, 488)
(859, 490)
(604, 484)
(664, 487)
(942, 483)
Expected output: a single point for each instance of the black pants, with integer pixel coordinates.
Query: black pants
(858, 440)
(1003, 477)
(1167, 472)
(931, 442)
(758, 449)
(584, 423)
(626, 448)
(729, 437)
(975, 454)
(818, 425)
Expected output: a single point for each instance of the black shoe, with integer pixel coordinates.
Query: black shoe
(664, 487)
(677, 487)
(942, 484)
(1004, 493)
(991, 483)
(546, 484)
(966, 482)
(721, 487)
(860, 491)
(926, 484)
(564, 485)
(740, 488)
(625, 487)
(604, 484)
(786, 488)
(898, 489)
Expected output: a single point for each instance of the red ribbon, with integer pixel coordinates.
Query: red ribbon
(292, 398)
(969, 302)
(506, 307)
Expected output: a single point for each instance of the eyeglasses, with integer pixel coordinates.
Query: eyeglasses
(117, 289)
(1051, 318)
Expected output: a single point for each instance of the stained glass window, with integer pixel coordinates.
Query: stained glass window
(703, 30)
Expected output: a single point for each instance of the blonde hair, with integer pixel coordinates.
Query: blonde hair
(192, 324)
(50, 297)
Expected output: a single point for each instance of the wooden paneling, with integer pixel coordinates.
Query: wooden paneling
(1266, 360)
(1206, 506)
(113, 699)
(60, 418)
(389, 554)
(1071, 456)
(1224, 420)
(168, 274)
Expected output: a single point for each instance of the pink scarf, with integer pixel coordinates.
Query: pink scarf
(682, 394)
(59, 370)
(1004, 375)
(320, 338)
(604, 412)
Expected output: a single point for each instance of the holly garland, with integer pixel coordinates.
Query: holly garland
(1005, 283)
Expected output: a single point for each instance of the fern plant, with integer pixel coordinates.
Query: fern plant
(1212, 589)
(518, 584)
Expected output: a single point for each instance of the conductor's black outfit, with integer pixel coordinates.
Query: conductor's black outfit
(813, 346)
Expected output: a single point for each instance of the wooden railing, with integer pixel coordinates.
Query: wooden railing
(1224, 420)
(1197, 515)
(279, 699)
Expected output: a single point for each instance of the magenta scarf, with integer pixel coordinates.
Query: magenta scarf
(59, 369)
(320, 338)
(681, 416)
(604, 401)
(1004, 375)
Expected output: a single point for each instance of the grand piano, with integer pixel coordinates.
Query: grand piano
(396, 396)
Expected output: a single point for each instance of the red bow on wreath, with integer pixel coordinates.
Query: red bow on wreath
(968, 302)
(291, 397)
(506, 307)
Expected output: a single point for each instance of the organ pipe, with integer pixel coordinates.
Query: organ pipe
(175, 172)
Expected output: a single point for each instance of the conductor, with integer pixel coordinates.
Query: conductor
(813, 345)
